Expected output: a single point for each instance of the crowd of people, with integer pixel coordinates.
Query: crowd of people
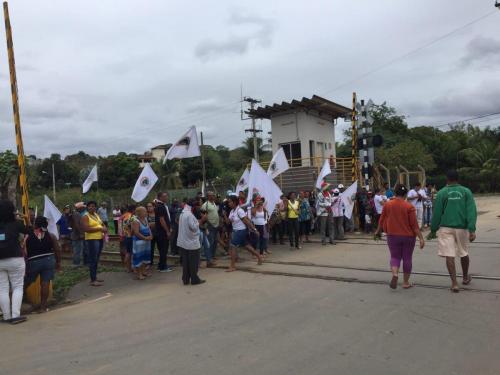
(212, 226)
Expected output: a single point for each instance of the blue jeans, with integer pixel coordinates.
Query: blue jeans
(205, 245)
(212, 240)
(94, 248)
(427, 215)
(77, 246)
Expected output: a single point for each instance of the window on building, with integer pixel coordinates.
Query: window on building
(293, 153)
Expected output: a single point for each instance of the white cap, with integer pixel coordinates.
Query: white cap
(336, 191)
(341, 186)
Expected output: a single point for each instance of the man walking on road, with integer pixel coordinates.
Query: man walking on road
(454, 220)
(188, 242)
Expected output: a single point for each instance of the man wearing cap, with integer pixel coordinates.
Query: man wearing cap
(338, 215)
(324, 212)
(77, 235)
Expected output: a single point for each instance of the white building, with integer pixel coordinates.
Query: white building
(305, 129)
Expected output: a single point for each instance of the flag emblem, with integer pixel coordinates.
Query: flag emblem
(242, 182)
(184, 142)
(145, 181)
(273, 166)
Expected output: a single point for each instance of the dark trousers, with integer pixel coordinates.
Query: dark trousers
(174, 250)
(153, 245)
(116, 226)
(278, 230)
(190, 263)
(94, 248)
(212, 239)
(162, 243)
(293, 232)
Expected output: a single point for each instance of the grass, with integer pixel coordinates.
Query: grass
(70, 276)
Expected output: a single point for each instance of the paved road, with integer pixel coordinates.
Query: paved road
(257, 323)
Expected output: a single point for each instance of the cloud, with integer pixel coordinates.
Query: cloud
(482, 50)
(205, 106)
(261, 32)
(479, 100)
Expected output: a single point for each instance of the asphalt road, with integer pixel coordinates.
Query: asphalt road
(267, 323)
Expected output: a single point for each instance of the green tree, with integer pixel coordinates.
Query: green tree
(8, 175)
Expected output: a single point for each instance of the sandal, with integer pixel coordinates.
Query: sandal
(467, 281)
(394, 282)
(455, 290)
(408, 286)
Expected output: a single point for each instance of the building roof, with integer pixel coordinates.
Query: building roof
(162, 147)
(316, 103)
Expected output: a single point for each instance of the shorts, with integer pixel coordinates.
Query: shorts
(129, 244)
(239, 238)
(43, 266)
(452, 242)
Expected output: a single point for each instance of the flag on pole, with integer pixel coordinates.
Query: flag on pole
(325, 171)
(278, 164)
(92, 177)
(348, 197)
(147, 179)
(243, 181)
(186, 147)
(53, 215)
(261, 183)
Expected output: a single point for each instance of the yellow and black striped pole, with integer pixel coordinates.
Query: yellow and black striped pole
(354, 158)
(23, 182)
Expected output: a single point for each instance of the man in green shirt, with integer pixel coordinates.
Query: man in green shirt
(212, 224)
(454, 220)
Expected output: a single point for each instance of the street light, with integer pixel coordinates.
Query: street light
(53, 181)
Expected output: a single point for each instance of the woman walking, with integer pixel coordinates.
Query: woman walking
(43, 258)
(259, 217)
(240, 223)
(305, 217)
(141, 249)
(399, 222)
(12, 266)
(293, 221)
(94, 230)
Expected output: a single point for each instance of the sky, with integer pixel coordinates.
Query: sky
(111, 76)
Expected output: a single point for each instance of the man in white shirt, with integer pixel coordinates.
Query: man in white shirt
(379, 199)
(416, 196)
(188, 242)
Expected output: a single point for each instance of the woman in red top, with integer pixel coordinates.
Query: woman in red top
(399, 222)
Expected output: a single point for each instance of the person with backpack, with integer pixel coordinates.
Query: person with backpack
(12, 266)
(454, 222)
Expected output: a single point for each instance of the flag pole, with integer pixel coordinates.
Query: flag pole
(203, 171)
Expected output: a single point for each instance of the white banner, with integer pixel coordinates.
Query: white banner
(186, 147)
(325, 171)
(147, 179)
(92, 177)
(279, 164)
(348, 198)
(53, 215)
(261, 183)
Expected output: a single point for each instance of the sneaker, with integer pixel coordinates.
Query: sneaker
(166, 270)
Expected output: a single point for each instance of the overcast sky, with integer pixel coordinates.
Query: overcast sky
(109, 76)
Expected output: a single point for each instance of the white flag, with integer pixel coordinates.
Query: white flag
(243, 181)
(278, 164)
(261, 183)
(348, 197)
(144, 183)
(186, 147)
(53, 215)
(325, 171)
(92, 177)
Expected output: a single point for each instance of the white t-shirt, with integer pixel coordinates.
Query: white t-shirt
(259, 218)
(378, 199)
(236, 215)
(415, 202)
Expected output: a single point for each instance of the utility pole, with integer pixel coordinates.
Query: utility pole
(253, 129)
(365, 125)
(23, 181)
(54, 182)
(354, 145)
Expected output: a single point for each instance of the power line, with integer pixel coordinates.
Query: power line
(466, 120)
(418, 49)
